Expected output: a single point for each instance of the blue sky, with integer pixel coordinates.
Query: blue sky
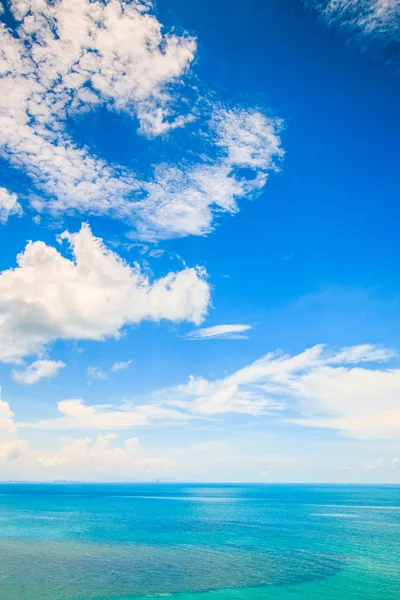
(210, 191)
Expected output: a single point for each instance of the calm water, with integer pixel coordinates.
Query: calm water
(199, 542)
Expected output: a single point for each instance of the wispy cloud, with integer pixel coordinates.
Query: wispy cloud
(375, 19)
(91, 296)
(75, 414)
(320, 387)
(219, 331)
(38, 370)
(96, 373)
(339, 389)
(119, 366)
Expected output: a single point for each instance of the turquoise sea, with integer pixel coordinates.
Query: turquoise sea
(199, 542)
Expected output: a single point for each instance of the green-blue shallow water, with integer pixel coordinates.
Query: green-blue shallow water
(199, 542)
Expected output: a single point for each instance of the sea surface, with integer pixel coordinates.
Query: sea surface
(199, 542)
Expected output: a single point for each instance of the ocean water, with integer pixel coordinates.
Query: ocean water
(199, 542)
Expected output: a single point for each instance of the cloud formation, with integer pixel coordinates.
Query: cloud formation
(181, 200)
(119, 366)
(105, 457)
(78, 415)
(71, 56)
(38, 370)
(377, 19)
(89, 297)
(88, 458)
(98, 457)
(95, 373)
(339, 389)
(9, 205)
(219, 331)
(320, 387)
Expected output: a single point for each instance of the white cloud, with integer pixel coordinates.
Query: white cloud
(99, 456)
(98, 459)
(374, 18)
(77, 415)
(75, 55)
(9, 205)
(96, 373)
(181, 200)
(319, 387)
(38, 370)
(105, 456)
(219, 331)
(92, 296)
(85, 458)
(118, 366)
(11, 448)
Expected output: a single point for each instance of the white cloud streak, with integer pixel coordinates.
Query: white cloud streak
(376, 19)
(77, 415)
(119, 366)
(91, 296)
(38, 370)
(219, 331)
(330, 386)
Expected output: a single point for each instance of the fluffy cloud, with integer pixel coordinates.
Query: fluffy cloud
(9, 205)
(91, 296)
(99, 457)
(74, 54)
(71, 56)
(219, 331)
(374, 18)
(85, 457)
(38, 370)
